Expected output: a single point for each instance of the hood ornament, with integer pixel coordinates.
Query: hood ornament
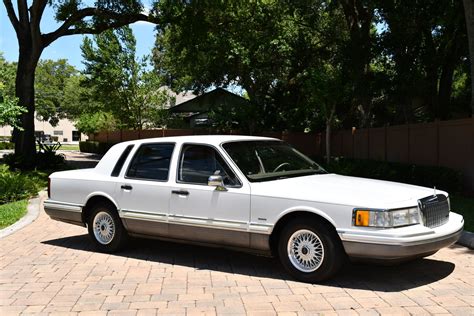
(434, 191)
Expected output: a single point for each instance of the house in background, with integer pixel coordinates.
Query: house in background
(64, 132)
(196, 110)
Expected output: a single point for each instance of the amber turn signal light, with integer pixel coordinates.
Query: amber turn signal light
(362, 218)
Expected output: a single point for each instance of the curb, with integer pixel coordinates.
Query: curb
(33, 210)
(467, 239)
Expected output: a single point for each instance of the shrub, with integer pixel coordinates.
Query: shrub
(15, 186)
(6, 145)
(43, 161)
(441, 177)
(94, 147)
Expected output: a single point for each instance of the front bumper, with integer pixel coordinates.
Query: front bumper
(406, 243)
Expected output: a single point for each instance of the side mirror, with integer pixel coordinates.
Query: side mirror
(216, 181)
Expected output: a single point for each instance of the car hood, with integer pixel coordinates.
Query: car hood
(337, 189)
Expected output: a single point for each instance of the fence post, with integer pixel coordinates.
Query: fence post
(353, 142)
(385, 135)
(368, 143)
(408, 142)
(437, 141)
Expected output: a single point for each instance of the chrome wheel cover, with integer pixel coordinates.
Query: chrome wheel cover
(305, 250)
(104, 228)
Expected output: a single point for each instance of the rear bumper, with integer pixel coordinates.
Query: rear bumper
(402, 248)
(64, 212)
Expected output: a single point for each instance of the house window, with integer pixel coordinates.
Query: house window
(58, 133)
(76, 136)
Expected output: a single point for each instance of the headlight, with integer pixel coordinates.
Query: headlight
(386, 218)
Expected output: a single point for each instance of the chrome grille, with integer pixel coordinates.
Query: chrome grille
(435, 210)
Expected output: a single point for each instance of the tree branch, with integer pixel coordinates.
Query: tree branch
(11, 14)
(36, 10)
(23, 11)
(118, 19)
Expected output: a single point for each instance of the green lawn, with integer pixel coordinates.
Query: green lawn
(11, 212)
(69, 147)
(465, 206)
(65, 147)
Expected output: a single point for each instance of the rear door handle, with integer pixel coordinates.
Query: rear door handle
(126, 187)
(180, 192)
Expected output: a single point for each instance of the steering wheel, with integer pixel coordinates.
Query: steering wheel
(281, 166)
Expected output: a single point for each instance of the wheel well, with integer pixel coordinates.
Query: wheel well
(275, 235)
(87, 209)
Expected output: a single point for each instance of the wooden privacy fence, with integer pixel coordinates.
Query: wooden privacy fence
(440, 143)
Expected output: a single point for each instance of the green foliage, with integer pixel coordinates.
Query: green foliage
(9, 108)
(120, 82)
(94, 147)
(6, 145)
(465, 206)
(95, 122)
(51, 80)
(16, 186)
(441, 177)
(12, 212)
(300, 61)
(43, 161)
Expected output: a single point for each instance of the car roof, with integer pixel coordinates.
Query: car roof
(107, 163)
(206, 139)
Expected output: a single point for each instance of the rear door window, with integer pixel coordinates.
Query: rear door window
(151, 162)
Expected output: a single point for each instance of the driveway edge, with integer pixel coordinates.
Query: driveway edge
(467, 239)
(33, 210)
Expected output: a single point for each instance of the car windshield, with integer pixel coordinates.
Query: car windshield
(270, 160)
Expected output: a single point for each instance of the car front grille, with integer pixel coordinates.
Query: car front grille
(435, 210)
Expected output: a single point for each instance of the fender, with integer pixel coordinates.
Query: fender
(102, 194)
(303, 209)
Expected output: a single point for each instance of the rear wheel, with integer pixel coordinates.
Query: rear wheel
(309, 250)
(106, 229)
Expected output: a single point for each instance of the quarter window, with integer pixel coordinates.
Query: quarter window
(198, 162)
(151, 162)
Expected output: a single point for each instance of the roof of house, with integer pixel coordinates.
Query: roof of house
(209, 100)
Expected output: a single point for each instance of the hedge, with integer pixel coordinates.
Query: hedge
(7, 145)
(94, 147)
(429, 176)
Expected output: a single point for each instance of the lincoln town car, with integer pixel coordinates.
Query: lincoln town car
(253, 194)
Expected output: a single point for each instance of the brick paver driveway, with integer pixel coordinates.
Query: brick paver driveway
(50, 267)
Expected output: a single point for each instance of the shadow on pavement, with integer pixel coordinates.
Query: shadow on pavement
(356, 276)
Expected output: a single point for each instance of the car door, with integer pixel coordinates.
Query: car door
(143, 193)
(204, 213)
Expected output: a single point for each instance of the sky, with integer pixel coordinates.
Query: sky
(67, 47)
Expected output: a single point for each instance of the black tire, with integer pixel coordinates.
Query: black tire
(332, 254)
(111, 236)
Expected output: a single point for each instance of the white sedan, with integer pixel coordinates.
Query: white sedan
(255, 194)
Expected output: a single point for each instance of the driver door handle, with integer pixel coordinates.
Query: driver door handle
(126, 187)
(180, 192)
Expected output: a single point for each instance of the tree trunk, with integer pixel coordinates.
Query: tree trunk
(25, 92)
(469, 13)
(328, 142)
(329, 120)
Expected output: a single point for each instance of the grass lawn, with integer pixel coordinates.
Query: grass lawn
(12, 212)
(65, 147)
(69, 147)
(465, 207)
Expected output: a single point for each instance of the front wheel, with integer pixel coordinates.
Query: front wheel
(309, 250)
(106, 229)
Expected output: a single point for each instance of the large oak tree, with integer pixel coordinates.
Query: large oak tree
(75, 18)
